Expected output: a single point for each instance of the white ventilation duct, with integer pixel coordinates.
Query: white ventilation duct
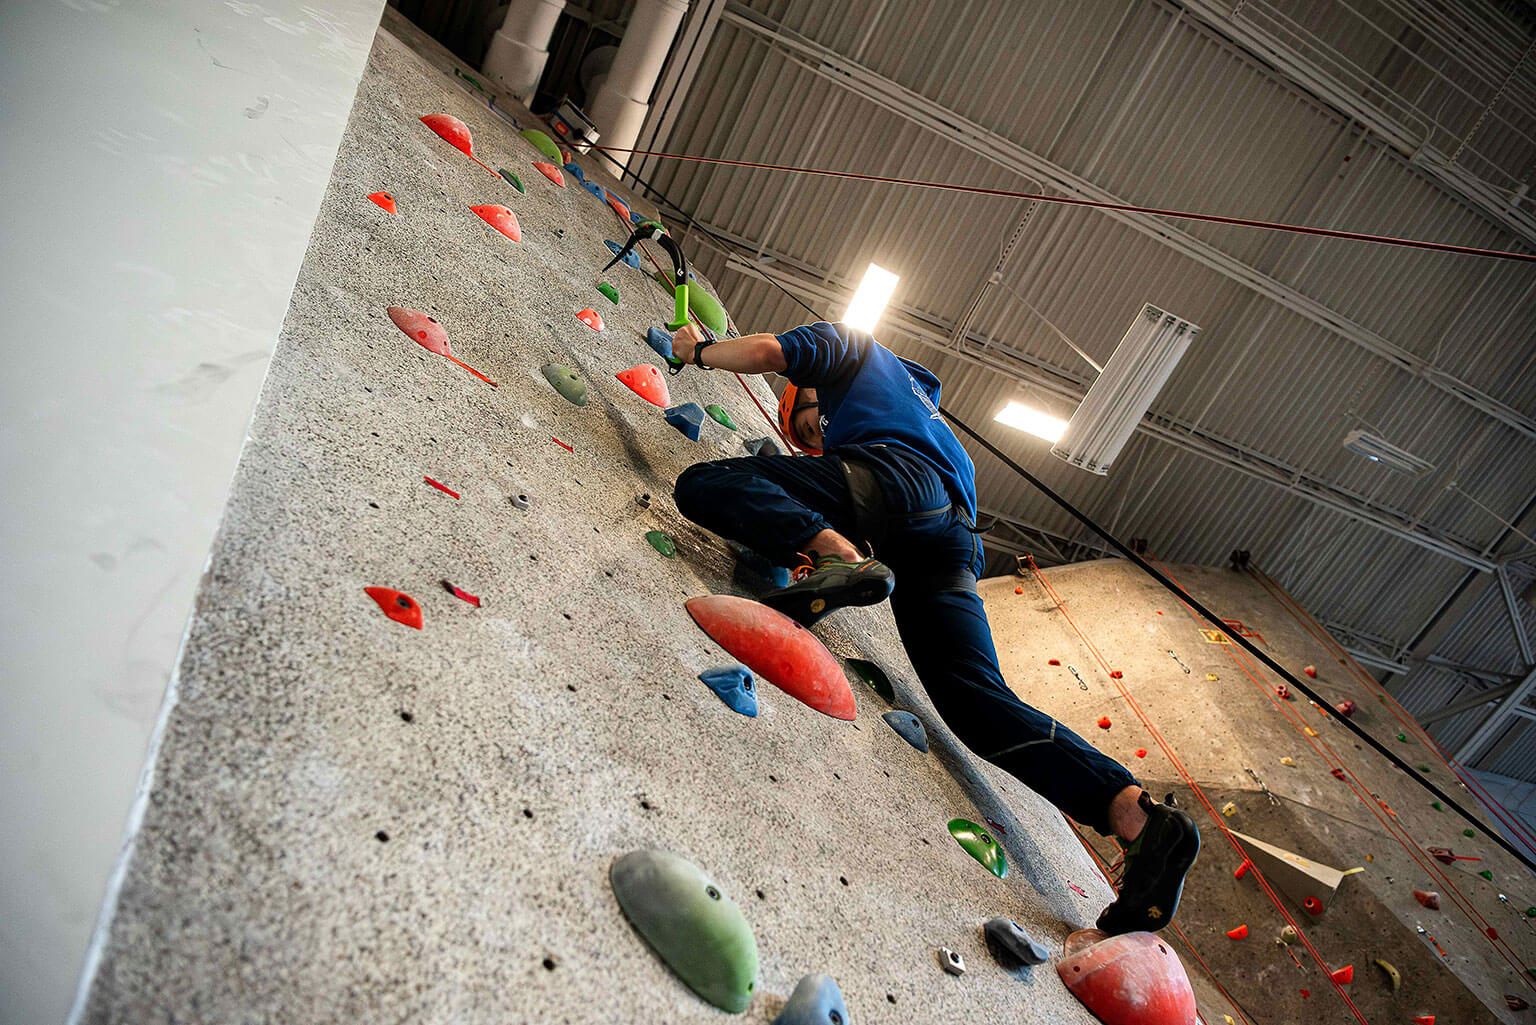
(624, 98)
(519, 49)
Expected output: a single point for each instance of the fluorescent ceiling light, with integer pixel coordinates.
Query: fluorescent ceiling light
(1387, 454)
(869, 301)
(1031, 421)
(1123, 393)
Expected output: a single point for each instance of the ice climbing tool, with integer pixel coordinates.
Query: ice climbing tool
(652, 231)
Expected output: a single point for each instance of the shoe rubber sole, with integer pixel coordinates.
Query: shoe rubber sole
(807, 605)
(1155, 910)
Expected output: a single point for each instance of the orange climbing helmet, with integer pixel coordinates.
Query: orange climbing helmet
(788, 407)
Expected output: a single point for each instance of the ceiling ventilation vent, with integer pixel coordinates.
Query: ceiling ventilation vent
(1123, 393)
(1378, 450)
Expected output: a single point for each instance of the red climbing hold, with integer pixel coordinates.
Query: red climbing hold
(1054, 662)
(1424, 1019)
(423, 329)
(618, 205)
(1313, 906)
(1429, 899)
(1115, 674)
(453, 131)
(1133, 979)
(1141, 752)
(1305, 993)
(1104, 722)
(1346, 708)
(1493, 933)
(384, 200)
(1242, 869)
(445, 489)
(397, 605)
(1240, 933)
(591, 318)
(1338, 773)
(776, 648)
(1344, 976)
(460, 593)
(1018, 590)
(1310, 671)
(502, 219)
(1282, 691)
(551, 172)
(646, 381)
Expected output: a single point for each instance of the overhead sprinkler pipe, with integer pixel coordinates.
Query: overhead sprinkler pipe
(520, 48)
(624, 98)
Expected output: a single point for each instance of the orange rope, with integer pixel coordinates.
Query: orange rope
(1390, 822)
(1194, 788)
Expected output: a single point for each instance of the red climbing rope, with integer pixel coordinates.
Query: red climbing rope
(1410, 724)
(980, 190)
(1115, 678)
(1370, 801)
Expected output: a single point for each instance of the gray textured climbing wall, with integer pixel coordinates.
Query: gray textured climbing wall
(354, 820)
(1223, 720)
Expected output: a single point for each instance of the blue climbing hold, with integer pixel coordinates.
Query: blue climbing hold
(594, 189)
(734, 686)
(815, 1001)
(688, 418)
(635, 217)
(909, 727)
(760, 446)
(1012, 946)
(659, 340)
(574, 170)
(776, 576)
(630, 259)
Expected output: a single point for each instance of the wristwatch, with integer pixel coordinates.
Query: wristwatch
(698, 354)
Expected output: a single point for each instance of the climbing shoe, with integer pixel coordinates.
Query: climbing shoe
(830, 583)
(1156, 863)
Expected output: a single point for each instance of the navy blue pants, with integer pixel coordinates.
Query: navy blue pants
(775, 504)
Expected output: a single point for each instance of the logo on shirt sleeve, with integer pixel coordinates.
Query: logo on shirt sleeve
(922, 396)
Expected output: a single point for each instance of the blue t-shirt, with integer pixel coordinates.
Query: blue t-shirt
(871, 396)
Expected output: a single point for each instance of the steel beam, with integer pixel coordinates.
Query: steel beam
(1516, 617)
(1496, 720)
(1475, 701)
(961, 131)
(929, 330)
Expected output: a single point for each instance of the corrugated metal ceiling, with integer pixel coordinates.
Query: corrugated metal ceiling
(1146, 101)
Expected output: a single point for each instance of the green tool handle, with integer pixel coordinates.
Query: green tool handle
(680, 306)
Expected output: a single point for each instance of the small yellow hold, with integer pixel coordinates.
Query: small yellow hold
(1229, 809)
(1288, 761)
(1288, 935)
(1310, 731)
(1393, 974)
(1370, 858)
(1229, 1020)
(1212, 676)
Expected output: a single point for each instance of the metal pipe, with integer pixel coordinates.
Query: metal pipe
(624, 98)
(520, 48)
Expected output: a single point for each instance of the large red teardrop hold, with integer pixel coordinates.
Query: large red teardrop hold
(646, 381)
(453, 131)
(502, 219)
(551, 172)
(776, 648)
(1132, 979)
(384, 200)
(425, 331)
(397, 605)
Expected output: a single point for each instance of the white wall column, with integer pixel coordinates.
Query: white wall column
(520, 48)
(624, 98)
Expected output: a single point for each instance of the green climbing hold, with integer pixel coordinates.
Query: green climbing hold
(699, 932)
(543, 143)
(1403, 737)
(978, 843)
(1530, 912)
(1423, 768)
(567, 382)
(662, 542)
(1486, 875)
(1436, 805)
(874, 676)
(721, 417)
(514, 179)
(705, 307)
(1469, 832)
(608, 290)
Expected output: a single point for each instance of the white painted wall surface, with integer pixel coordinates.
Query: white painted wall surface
(161, 165)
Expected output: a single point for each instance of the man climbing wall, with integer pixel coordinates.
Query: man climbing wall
(889, 474)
